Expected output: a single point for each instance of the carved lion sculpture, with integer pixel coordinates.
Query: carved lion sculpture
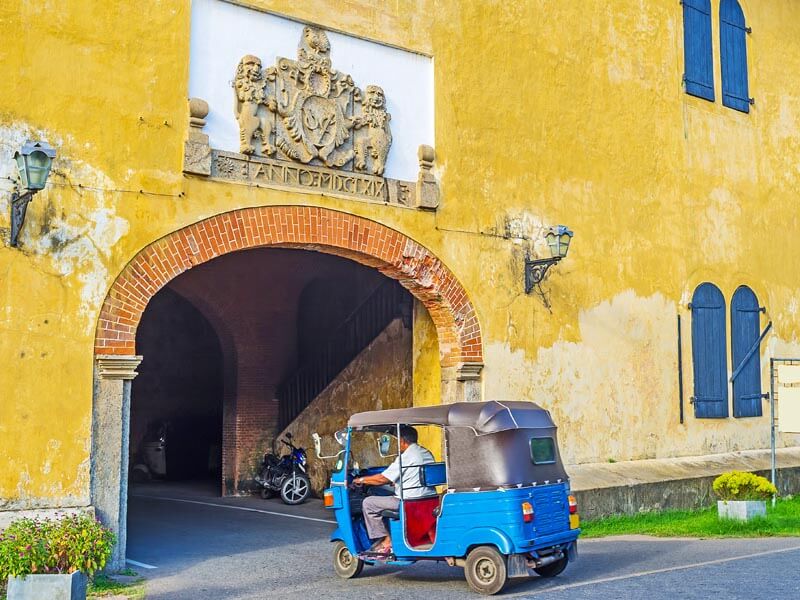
(251, 100)
(377, 139)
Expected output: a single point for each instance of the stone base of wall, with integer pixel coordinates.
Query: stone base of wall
(671, 483)
(8, 516)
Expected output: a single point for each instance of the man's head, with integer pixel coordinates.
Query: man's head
(408, 436)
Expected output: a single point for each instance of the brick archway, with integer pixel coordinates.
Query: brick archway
(310, 228)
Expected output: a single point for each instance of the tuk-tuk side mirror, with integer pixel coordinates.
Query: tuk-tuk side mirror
(318, 447)
(385, 446)
(340, 436)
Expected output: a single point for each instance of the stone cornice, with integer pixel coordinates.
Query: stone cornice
(110, 366)
(469, 371)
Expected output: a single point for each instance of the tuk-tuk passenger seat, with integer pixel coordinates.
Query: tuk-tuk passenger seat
(422, 513)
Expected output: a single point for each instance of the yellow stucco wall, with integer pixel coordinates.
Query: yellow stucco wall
(546, 112)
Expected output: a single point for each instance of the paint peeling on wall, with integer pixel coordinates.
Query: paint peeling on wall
(68, 243)
(614, 391)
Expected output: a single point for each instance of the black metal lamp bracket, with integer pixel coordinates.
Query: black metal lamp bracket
(536, 271)
(19, 206)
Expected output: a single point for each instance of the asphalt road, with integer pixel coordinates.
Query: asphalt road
(207, 547)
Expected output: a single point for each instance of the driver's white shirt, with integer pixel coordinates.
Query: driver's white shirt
(413, 455)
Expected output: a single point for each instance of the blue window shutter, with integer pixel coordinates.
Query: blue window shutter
(733, 56)
(745, 332)
(708, 353)
(698, 65)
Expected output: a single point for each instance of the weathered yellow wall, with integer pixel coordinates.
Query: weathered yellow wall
(546, 112)
(427, 374)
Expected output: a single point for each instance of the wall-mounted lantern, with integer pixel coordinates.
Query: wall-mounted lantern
(33, 162)
(558, 239)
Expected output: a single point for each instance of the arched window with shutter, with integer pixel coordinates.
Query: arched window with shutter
(708, 353)
(733, 56)
(746, 353)
(698, 64)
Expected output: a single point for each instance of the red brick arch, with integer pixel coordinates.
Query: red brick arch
(311, 228)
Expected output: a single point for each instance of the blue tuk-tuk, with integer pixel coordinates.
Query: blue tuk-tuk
(502, 509)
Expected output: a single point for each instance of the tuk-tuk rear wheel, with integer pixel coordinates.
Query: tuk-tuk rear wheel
(345, 564)
(485, 570)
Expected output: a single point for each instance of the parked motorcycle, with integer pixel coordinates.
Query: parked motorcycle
(285, 475)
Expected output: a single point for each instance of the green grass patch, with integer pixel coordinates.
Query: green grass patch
(130, 586)
(783, 520)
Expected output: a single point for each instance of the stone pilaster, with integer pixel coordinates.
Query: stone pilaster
(462, 383)
(110, 440)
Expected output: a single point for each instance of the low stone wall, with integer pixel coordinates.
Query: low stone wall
(678, 483)
(9, 516)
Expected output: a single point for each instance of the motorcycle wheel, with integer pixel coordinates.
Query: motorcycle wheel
(266, 493)
(295, 489)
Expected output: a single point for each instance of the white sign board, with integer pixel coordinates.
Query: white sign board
(788, 409)
(788, 374)
(222, 33)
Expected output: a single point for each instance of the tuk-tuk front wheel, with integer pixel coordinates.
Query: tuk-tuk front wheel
(345, 564)
(485, 570)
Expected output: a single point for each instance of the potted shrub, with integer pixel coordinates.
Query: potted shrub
(51, 558)
(742, 496)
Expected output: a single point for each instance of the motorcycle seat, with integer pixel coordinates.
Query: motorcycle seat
(391, 514)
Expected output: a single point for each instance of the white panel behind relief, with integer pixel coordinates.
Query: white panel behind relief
(222, 33)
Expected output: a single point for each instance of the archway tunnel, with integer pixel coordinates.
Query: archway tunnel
(243, 348)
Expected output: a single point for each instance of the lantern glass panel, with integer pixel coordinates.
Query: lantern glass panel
(23, 172)
(552, 242)
(564, 245)
(38, 169)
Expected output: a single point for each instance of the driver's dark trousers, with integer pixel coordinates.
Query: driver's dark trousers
(372, 507)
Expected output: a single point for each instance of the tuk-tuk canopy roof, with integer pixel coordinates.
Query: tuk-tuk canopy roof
(481, 417)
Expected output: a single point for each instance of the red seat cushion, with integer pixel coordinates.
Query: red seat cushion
(420, 520)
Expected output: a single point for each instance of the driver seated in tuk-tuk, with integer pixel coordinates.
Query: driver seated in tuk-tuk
(411, 454)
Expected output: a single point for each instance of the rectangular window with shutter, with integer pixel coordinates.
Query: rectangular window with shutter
(698, 63)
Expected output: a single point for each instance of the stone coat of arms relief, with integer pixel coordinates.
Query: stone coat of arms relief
(303, 124)
(304, 110)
